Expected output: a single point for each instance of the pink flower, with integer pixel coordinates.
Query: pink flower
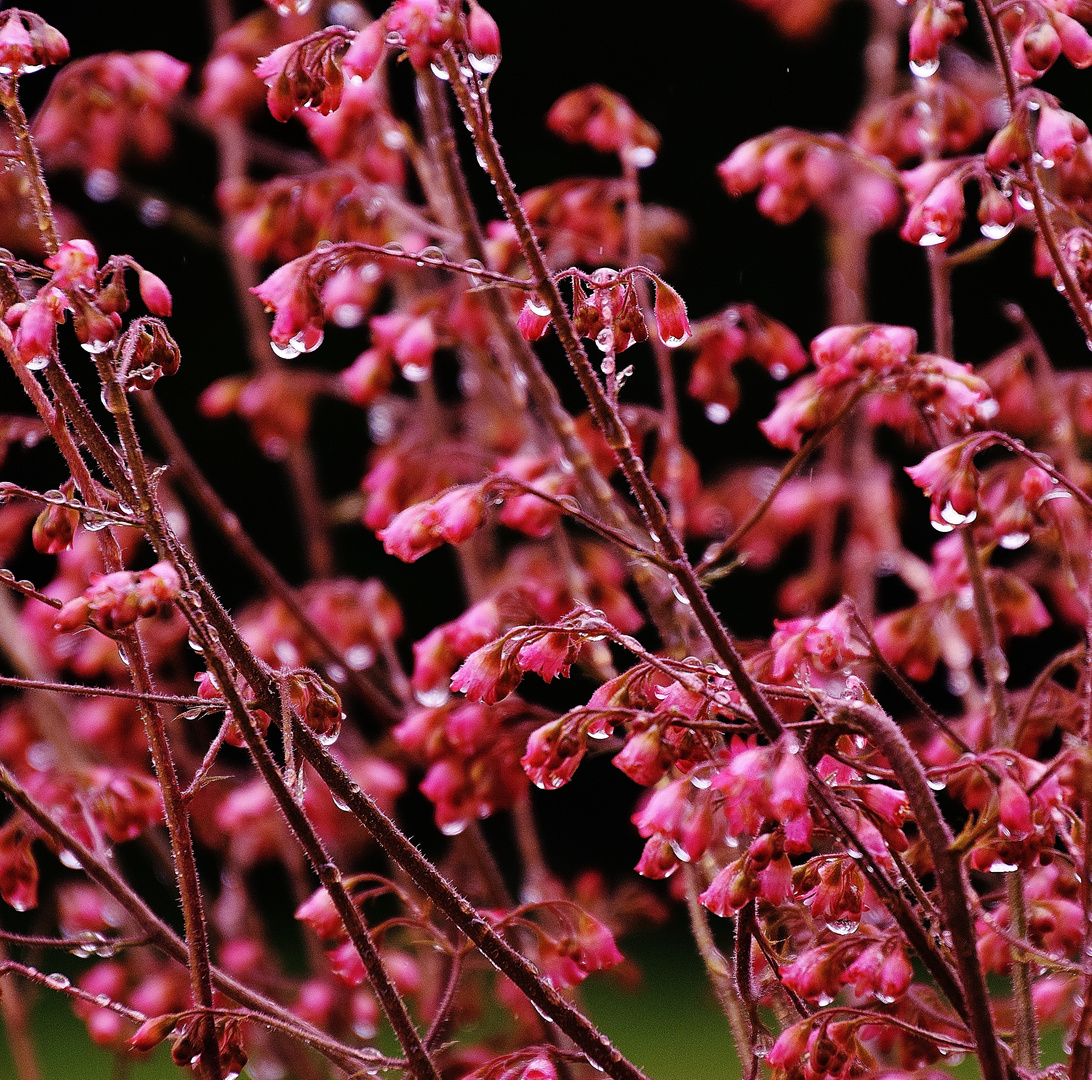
(552, 756)
(366, 51)
(487, 674)
(482, 32)
(532, 325)
(28, 43)
(154, 293)
(671, 322)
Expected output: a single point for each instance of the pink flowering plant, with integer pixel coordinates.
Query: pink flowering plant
(874, 813)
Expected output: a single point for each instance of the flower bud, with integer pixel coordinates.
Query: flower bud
(671, 322)
(482, 32)
(154, 293)
(366, 52)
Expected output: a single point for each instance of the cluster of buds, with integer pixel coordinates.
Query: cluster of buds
(1043, 32)
(893, 129)
(766, 783)
(495, 670)
(115, 601)
(609, 312)
(305, 74)
(606, 121)
(764, 872)
(448, 519)
(793, 169)
(936, 23)
(679, 823)
(96, 301)
(102, 109)
(734, 334)
(823, 645)
(579, 946)
(472, 752)
(28, 43)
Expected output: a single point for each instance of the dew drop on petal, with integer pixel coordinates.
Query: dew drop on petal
(454, 828)
(640, 157)
(843, 927)
(1014, 540)
(993, 230)
(538, 306)
(925, 68)
(999, 867)
(432, 699)
(931, 239)
(488, 63)
(288, 351)
(439, 71)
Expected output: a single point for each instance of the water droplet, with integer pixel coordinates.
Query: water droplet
(1000, 867)
(1024, 198)
(393, 37)
(701, 782)
(640, 157)
(607, 366)
(887, 1000)
(1047, 163)
(415, 373)
(360, 657)
(38, 363)
(779, 372)
(537, 305)
(936, 785)
(680, 853)
(154, 213)
(931, 239)
(1012, 541)
(762, 1045)
(486, 63)
(340, 803)
(675, 342)
(824, 999)
(329, 736)
(680, 595)
(926, 68)
(434, 698)
(993, 230)
(394, 249)
(439, 71)
(101, 185)
(69, 859)
(287, 351)
(454, 828)
(347, 315)
(103, 1000)
(843, 927)
(604, 340)
(431, 255)
(954, 517)
(58, 981)
(940, 526)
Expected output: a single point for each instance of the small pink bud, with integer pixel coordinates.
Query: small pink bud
(154, 293)
(1014, 809)
(366, 52)
(671, 322)
(1076, 40)
(531, 323)
(152, 1032)
(482, 32)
